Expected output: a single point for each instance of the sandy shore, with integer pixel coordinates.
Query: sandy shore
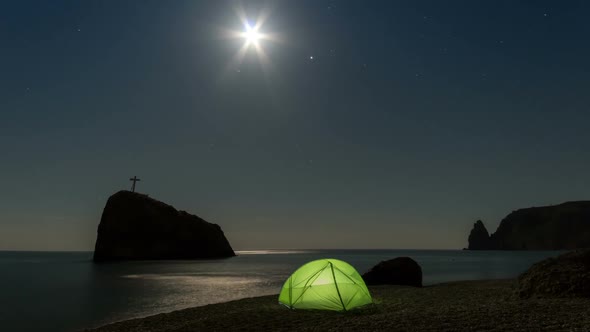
(459, 306)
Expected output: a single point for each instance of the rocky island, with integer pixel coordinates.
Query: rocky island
(134, 226)
(556, 227)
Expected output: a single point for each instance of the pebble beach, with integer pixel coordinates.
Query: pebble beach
(489, 305)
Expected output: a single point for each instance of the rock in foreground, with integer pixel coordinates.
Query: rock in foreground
(566, 276)
(136, 227)
(398, 271)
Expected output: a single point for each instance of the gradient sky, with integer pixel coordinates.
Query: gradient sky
(412, 120)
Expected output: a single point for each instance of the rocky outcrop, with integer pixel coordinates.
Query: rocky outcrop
(136, 227)
(397, 271)
(563, 226)
(479, 238)
(557, 227)
(567, 275)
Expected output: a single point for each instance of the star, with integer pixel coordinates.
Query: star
(311, 58)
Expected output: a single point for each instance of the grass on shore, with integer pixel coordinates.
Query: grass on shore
(459, 306)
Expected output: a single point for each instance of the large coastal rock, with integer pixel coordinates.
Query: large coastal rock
(136, 227)
(479, 238)
(567, 275)
(557, 227)
(398, 271)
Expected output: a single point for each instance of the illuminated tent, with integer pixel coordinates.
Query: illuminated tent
(325, 284)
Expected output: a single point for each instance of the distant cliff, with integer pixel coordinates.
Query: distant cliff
(556, 227)
(136, 227)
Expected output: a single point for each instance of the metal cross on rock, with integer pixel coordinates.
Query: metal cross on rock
(134, 179)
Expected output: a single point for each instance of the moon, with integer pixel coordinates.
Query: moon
(255, 37)
(251, 35)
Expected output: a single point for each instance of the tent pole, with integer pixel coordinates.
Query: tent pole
(336, 284)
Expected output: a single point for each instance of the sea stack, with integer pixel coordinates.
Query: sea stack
(134, 226)
(479, 238)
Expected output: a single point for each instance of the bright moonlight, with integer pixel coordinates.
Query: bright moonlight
(251, 34)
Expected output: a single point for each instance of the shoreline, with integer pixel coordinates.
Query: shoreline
(483, 305)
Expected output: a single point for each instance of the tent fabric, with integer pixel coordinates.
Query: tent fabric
(325, 284)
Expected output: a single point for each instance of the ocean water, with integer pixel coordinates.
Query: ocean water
(66, 291)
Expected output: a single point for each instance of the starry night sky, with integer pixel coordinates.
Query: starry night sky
(373, 124)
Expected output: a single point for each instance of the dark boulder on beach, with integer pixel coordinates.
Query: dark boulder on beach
(397, 271)
(134, 226)
(567, 275)
(479, 238)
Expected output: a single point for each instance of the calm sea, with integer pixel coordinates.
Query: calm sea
(59, 291)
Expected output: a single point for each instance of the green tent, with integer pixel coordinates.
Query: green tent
(325, 284)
